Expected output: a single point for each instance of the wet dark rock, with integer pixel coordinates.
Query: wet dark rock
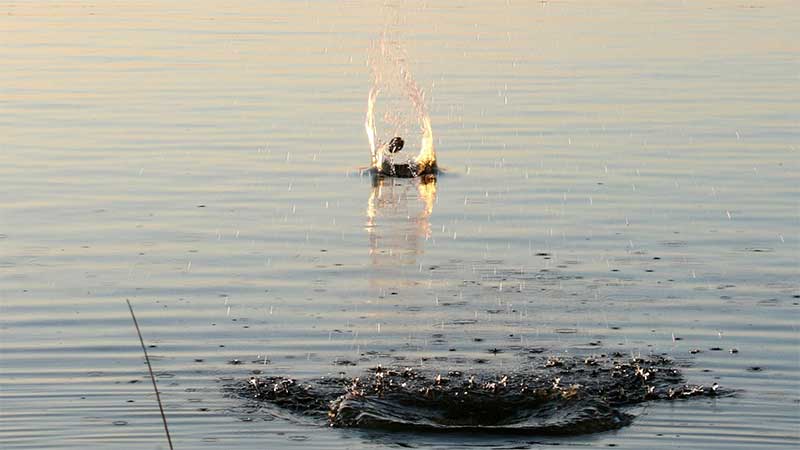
(550, 396)
(395, 145)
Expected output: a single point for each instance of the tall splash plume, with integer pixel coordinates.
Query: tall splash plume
(392, 77)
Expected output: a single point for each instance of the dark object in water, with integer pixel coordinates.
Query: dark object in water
(556, 396)
(395, 145)
(411, 169)
(152, 377)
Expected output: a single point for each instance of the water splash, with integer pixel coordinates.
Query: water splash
(393, 80)
(549, 395)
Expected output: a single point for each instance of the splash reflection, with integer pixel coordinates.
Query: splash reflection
(398, 220)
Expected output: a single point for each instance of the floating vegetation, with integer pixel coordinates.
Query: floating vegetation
(551, 396)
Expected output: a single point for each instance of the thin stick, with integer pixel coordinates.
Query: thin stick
(152, 377)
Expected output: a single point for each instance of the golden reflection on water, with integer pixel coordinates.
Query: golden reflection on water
(398, 219)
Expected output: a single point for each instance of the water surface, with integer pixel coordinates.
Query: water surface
(619, 177)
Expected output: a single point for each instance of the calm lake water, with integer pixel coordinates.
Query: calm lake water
(620, 176)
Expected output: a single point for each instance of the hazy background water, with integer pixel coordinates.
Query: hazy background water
(621, 174)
